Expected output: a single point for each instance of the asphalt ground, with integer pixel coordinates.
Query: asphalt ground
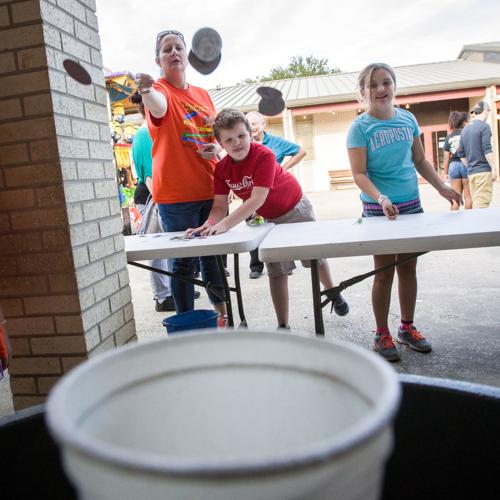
(458, 303)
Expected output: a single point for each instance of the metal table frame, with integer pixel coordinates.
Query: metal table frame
(242, 238)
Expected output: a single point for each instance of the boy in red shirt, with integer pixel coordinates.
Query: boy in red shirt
(251, 171)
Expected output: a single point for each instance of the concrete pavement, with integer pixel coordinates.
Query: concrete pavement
(458, 305)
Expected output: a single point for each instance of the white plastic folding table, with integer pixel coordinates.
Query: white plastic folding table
(240, 239)
(408, 234)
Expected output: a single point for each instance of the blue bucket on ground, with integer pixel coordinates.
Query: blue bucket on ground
(191, 320)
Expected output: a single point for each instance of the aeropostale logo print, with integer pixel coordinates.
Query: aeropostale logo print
(382, 138)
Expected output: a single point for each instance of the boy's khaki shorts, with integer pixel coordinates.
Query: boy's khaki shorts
(302, 212)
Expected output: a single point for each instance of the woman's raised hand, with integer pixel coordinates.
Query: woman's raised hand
(209, 151)
(144, 82)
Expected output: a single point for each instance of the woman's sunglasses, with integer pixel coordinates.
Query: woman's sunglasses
(163, 34)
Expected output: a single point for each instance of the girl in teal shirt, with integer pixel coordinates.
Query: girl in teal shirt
(385, 152)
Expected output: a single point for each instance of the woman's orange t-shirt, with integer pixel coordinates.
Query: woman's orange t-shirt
(180, 174)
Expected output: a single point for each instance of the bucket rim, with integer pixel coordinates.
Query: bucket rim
(70, 437)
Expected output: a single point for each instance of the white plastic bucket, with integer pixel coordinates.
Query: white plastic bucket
(234, 415)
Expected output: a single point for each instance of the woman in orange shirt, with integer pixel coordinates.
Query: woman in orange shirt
(180, 118)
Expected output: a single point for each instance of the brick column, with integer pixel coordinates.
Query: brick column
(63, 277)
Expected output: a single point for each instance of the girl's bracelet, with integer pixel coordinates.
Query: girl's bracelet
(381, 198)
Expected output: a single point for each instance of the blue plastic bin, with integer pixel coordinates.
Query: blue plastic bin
(191, 320)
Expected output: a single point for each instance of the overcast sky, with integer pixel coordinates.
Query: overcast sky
(259, 35)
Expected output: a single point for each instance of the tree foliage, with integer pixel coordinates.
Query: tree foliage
(298, 66)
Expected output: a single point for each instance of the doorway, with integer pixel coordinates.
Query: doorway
(433, 138)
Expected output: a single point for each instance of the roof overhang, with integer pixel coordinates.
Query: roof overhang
(401, 98)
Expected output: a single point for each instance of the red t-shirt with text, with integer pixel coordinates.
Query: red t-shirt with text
(261, 169)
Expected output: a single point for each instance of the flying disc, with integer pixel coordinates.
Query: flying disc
(203, 67)
(271, 107)
(269, 93)
(206, 45)
(77, 72)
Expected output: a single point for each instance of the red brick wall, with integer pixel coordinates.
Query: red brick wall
(63, 277)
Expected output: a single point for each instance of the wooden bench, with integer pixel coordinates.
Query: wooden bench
(340, 179)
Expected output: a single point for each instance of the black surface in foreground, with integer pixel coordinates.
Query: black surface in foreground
(446, 433)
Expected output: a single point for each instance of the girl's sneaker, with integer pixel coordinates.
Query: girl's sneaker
(384, 345)
(414, 339)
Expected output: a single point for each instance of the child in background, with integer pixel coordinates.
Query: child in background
(385, 152)
(251, 171)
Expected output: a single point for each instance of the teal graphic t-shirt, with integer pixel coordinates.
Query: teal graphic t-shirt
(389, 162)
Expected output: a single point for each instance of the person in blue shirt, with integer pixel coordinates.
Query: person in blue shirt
(385, 153)
(282, 149)
(279, 146)
(476, 153)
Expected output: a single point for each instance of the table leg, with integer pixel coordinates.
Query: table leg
(316, 292)
(241, 312)
(224, 295)
(227, 291)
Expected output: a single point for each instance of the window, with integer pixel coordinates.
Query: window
(438, 138)
(275, 128)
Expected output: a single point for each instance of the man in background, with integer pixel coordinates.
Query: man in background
(476, 154)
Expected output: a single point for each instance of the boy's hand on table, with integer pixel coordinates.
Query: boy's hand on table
(219, 228)
(191, 232)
